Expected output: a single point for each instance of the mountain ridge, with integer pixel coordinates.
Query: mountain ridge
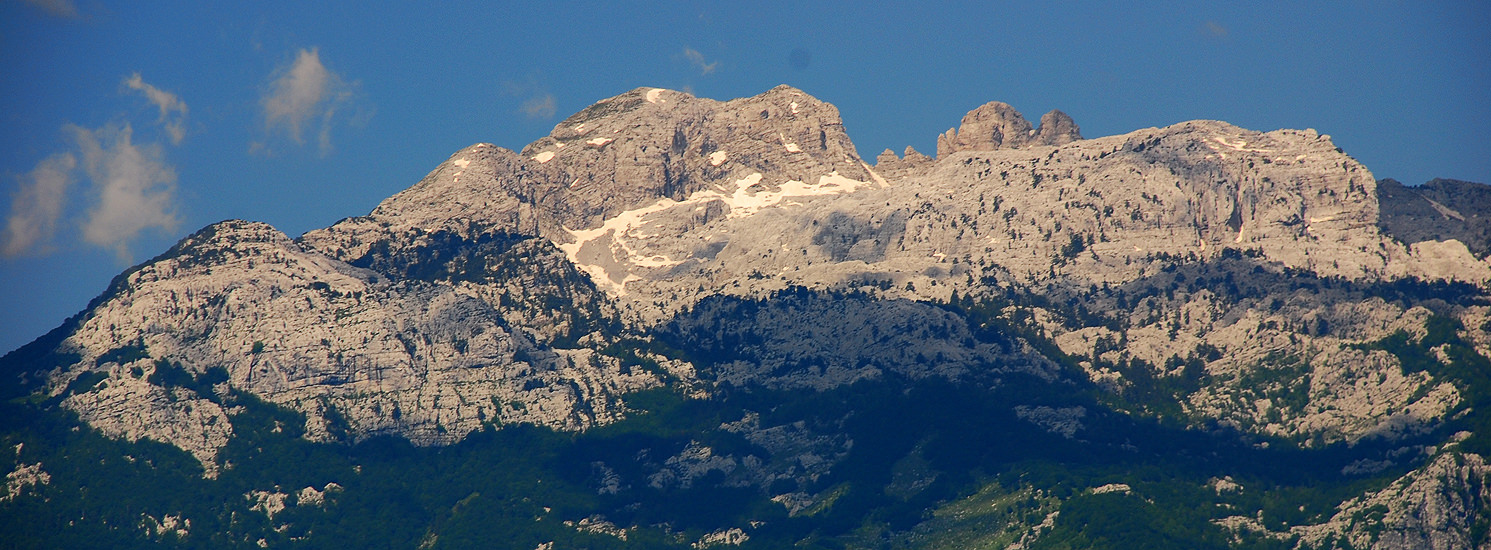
(1230, 281)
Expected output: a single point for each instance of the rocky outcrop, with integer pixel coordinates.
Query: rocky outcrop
(1101, 209)
(1436, 507)
(891, 166)
(24, 477)
(993, 125)
(996, 125)
(1441, 506)
(1057, 128)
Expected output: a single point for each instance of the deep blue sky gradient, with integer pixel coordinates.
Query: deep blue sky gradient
(1401, 86)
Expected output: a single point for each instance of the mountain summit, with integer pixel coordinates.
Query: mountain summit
(671, 298)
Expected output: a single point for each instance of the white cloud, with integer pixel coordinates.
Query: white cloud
(697, 59)
(303, 94)
(36, 205)
(134, 187)
(542, 106)
(297, 92)
(131, 187)
(167, 102)
(59, 8)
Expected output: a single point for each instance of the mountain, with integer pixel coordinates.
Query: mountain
(1417, 214)
(680, 322)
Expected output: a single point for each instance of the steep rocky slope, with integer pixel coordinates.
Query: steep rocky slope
(359, 353)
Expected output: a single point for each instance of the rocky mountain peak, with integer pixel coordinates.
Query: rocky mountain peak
(620, 154)
(1057, 128)
(224, 234)
(993, 125)
(996, 125)
(890, 165)
(652, 143)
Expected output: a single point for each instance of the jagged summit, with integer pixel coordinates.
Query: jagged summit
(619, 154)
(1057, 128)
(997, 125)
(624, 186)
(651, 142)
(888, 164)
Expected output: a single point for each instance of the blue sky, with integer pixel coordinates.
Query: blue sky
(126, 126)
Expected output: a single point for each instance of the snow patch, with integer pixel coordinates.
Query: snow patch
(793, 148)
(794, 107)
(544, 157)
(1239, 145)
(626, 235)
(874, 175)
(461, 163)
(654, 95)
(598, 142)
(718, 157)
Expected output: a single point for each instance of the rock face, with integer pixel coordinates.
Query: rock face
(996, 125)
(892, 166)
(993, 125)
(1422, 510)
(1057, 128)
(621, 153)
(1261, 282)
(358, 353)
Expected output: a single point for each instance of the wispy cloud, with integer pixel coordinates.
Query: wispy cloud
(305, 95)
(538, 102)
(697, 60)
(1214, 29)
(541, 106)
(36, 205)
(59, 8)
(167, 102)
(135, 188)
